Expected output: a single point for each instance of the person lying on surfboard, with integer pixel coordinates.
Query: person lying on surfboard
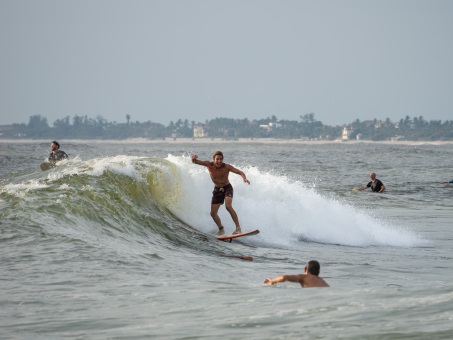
(56, 154)
(223, 190)
(451, 182)
(309, 279)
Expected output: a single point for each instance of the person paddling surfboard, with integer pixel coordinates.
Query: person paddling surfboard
(451, 182)
(223, 190)
(55, 155)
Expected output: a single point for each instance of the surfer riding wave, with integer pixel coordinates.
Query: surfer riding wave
(223, 190)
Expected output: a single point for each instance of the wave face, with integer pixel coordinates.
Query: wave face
(168, 200)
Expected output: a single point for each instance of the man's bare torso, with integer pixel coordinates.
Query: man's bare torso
(219, 175)
(309, 281)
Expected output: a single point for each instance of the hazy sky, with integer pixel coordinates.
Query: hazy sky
(166, 60)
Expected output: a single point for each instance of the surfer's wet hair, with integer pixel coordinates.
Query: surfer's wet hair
(313, 267)
(56, 143)
(217, 153)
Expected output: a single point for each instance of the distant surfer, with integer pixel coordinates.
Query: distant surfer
(56, 154)
(223, 190)
(309, 279)
(375, 184)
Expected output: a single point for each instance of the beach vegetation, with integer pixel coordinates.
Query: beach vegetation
(306, 128)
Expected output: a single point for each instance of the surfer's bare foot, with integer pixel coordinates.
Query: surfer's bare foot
(221, 231)
(237, 231)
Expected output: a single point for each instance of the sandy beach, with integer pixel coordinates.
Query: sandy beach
(222, 140)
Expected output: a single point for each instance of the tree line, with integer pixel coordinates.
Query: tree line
(307, 127)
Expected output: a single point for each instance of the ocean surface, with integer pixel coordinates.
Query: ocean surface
(117, 242)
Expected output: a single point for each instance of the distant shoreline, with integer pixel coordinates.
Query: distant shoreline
(221, 140)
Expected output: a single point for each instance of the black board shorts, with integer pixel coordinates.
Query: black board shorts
(218, 195)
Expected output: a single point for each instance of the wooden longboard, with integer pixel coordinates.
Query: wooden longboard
(46, 166)
(231, 237)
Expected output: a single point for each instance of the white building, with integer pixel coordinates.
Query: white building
(347, 130)
(198, 131)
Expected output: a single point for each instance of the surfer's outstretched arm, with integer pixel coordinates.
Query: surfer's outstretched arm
(283, 278)
(196, 161)
(237, 172)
